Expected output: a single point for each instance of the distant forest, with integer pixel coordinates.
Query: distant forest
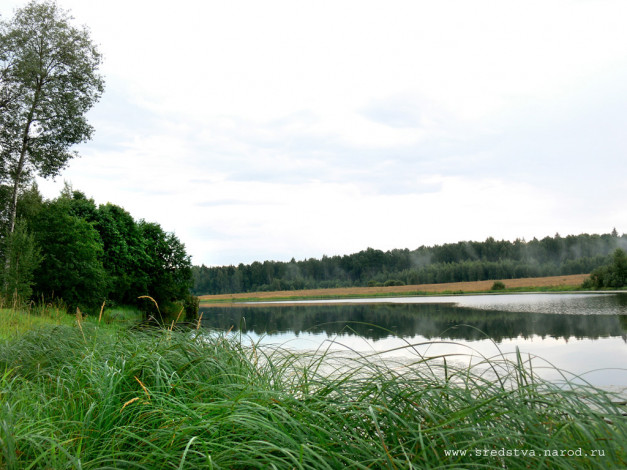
(452, 262)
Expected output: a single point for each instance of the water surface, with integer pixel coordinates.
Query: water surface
(580, 333)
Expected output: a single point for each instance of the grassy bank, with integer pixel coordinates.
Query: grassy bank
(15, 322)
(101, 397)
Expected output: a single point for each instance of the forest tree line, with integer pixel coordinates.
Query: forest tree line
(452, 262)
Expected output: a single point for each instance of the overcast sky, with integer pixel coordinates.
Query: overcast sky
(261, 130)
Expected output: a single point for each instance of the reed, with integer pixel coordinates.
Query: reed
(109, 398)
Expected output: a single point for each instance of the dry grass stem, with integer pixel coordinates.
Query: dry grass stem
(79, 320)
(153, 301)
(132, 400)
(144, 387)
(101, 310)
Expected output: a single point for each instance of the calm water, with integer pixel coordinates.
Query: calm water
(579, 333)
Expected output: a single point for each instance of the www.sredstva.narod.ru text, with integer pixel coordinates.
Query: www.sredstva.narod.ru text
(579, 452)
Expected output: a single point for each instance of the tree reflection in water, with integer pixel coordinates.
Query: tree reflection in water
(445, 321)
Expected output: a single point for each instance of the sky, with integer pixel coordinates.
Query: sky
(270, 130)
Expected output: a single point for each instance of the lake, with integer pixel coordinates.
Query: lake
(584, 334)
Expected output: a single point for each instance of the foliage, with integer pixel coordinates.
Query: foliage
(168, 399)
(22, 259)
(94, 253)
(72, 267)
(124, 253)
(49, 80)
(455, 262)
(168, 266)
(393, 282)
(611, 275)
(498, 285)
(191, 304)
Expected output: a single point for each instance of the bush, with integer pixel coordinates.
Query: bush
(191, 305)
(498, 285)
(588, 284)
(613, 275)
(393, 282)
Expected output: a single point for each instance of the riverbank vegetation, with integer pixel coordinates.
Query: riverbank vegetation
(70, 252)
(455, 262)
(91, 396)
(14, 322)
(613, 275)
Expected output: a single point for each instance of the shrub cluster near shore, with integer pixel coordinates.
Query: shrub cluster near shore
(89, 396)
(72, 252)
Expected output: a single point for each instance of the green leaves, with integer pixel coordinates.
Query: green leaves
(72, 268)
(23, 257)
(49, 79)
(92, 253)
(168, 266)
(124, 256)
(612, 275)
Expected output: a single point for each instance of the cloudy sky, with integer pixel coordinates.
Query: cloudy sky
(276, 129)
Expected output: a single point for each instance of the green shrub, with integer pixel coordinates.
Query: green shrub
(498, 285)
(613, 275)
(393, 282)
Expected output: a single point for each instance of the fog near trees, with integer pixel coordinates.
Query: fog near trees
(453, 262)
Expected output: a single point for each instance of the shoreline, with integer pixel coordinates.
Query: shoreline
(567, 283)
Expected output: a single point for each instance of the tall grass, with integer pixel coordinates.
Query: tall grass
(120, 315)
(15, 322)
(181, 399)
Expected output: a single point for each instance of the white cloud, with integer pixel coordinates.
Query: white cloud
(309, 220)
(260, 130)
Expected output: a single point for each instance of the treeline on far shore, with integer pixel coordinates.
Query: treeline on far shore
(452, 262)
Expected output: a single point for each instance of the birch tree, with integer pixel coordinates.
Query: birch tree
(49, 79)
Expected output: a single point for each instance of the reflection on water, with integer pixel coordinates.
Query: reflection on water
(446, 321)
(576, 332)
(560, 304)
